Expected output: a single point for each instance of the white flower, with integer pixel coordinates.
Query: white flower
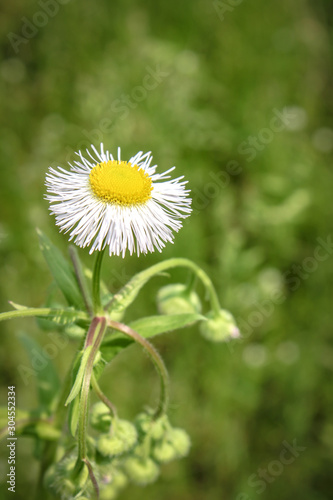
(122, 205)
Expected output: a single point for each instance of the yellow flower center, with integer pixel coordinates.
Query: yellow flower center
(120, 183)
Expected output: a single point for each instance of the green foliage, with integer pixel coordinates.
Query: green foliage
(48, 383)
(253, 220)
(62, 272)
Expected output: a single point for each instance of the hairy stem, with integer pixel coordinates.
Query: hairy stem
(25, 312)
(139, 280)
(155, 358)
(102, 396)
(96, 284)
(98, 327)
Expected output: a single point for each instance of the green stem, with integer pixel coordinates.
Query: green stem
(50, 448)
(40, 311)
(92, 476)
(191, 282)
(98, 326)
(81, 278)
(96, 284)
(102, 396)
(155, 358)
(141, 279)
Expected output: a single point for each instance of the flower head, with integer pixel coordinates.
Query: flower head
(119, 204)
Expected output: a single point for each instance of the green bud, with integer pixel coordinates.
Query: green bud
(164, 452)
(59, 479)
(159, 428)
(109, 446)
(119, 479)
(180, 441)
(100, 418)
(141, 471)
(146, 424)
(121, 439)
(74, 332)
(143, 422)
(108, 493)
(113, 477)
(176, 444)
(219, 328)
(50, 478)
(178, 299)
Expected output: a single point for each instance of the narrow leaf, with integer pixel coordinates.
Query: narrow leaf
(48, 383)
(73, 416)
(42, 429)
(79, 377)
(130, 291)
(146, 327)
(154, 325)
(62, 272)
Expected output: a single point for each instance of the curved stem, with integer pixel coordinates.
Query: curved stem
(96, 283)
(141, 279)
(102, 396)
(155, 358)
(92, 476)
(98, 327)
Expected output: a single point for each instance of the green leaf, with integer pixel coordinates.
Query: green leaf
(29, 423)
(146, 327)
(48, 383)
(110, 348)
(42, 429)
(79, 376)
(73, 416)
(130, 291)
(19, 414)
(154, 325)
(62, 272)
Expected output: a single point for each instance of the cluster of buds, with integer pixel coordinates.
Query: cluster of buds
(123, 452)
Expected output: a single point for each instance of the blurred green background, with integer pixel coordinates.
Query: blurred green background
(200, 84)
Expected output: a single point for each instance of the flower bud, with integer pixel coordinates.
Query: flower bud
(178, 299)
(140, 470)
(176, 444)
(180, 441)
(119, 479)
(122, 438)
(145, 424)
(108, 493)
(100, 418)
(59, 479)
(219, 328)
(164, 452)
(111, 483)
(75, 332)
